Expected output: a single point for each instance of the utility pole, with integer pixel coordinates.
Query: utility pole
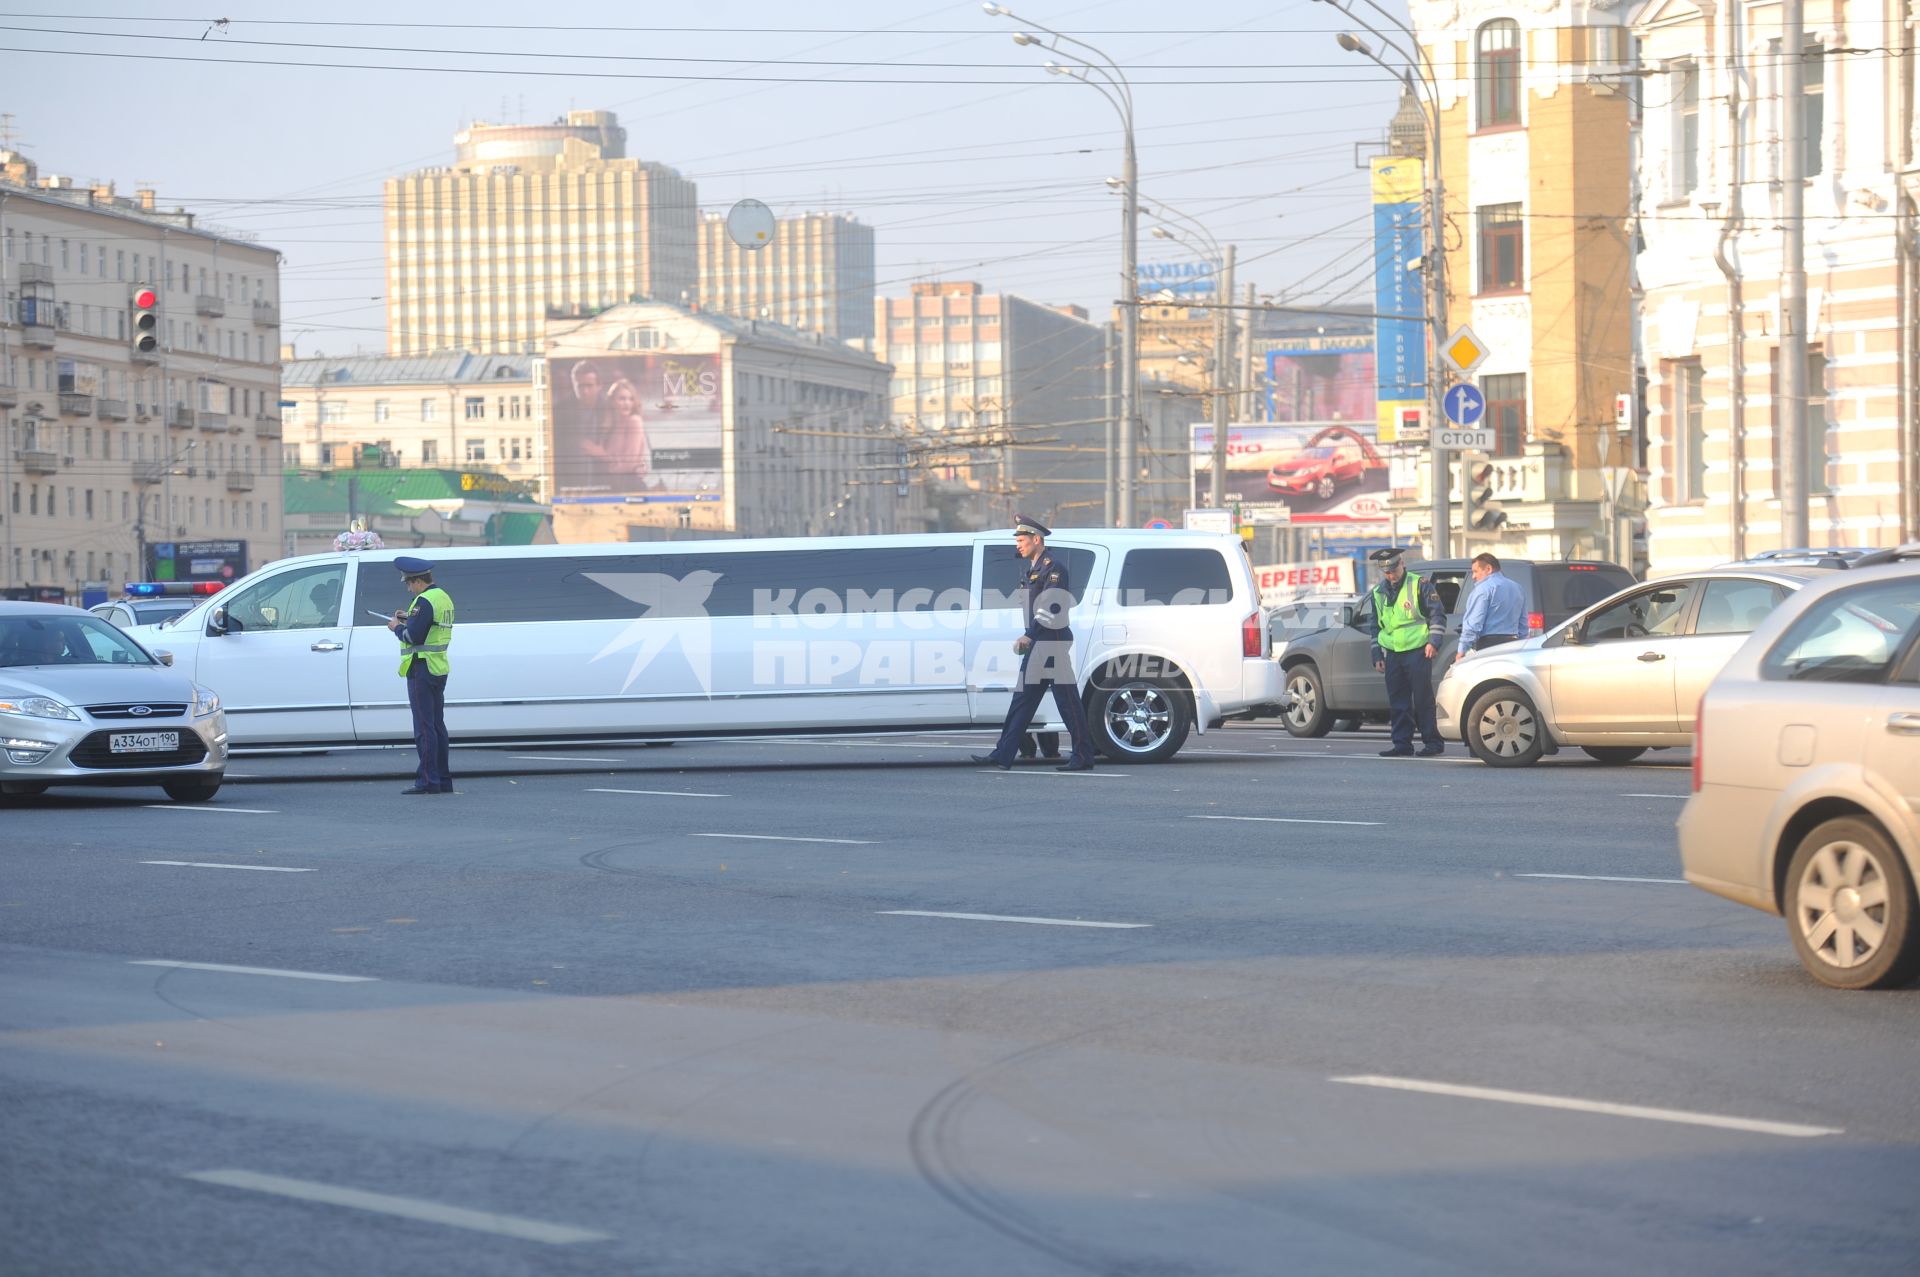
(1790, 405)
(1222, 377)
(1109, 509)
(1129, 330)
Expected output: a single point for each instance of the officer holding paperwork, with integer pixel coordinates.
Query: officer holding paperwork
(1405, 618)
(425, 632)
(1046, 653)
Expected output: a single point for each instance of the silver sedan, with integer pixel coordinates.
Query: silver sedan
(81, 703)
(1615, 680)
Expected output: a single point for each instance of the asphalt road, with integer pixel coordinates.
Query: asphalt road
(859, 1007)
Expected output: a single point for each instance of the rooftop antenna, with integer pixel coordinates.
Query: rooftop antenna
(9, 136)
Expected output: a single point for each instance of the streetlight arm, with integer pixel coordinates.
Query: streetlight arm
(1433, 77)
(1001, 11)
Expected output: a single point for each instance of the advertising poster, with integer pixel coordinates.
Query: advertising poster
(224, 561)
(1283, 582)
(1323, 471)
(1400, 345)
(636, 425)
(1321, 379)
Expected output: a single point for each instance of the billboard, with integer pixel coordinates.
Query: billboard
(1313, 382)
(223, 561)
(1281, 582)
(1183, 281)
(636, 425)
(1399, 329)
(1323, 471)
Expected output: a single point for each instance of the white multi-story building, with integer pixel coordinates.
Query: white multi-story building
(815, 273)
(113, 455)
(1710, 200)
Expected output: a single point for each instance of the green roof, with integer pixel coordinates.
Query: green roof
(376, 492)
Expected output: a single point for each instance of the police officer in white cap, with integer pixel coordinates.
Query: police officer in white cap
(425, 632)
(1046, 653)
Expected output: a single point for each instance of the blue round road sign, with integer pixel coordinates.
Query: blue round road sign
(1464, 404)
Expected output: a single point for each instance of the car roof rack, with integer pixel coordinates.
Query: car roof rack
(1898, 554)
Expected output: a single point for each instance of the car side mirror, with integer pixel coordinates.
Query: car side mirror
(217, 621)
(1575, 635)
(165, 658)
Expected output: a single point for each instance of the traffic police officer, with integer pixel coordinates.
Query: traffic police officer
(1405, 619)
(1046, 653)
(425, 631)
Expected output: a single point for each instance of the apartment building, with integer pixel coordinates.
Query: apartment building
(1535, 124)
(814, 274)
(1710, 172)
(449, 409)
(1005, 398)
(530, 219)
(116, 454)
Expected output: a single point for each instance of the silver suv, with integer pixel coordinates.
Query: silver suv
(1806, 774)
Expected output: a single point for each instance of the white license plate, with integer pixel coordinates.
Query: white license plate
(143, 742)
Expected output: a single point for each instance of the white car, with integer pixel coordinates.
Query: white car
(1806, 775)
(1617, 679)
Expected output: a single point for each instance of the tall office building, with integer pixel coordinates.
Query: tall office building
(530, 219)
(815, 274)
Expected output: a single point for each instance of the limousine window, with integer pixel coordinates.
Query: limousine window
(304, 599)
(1004, 569)
(1178, 578)
(603, 587)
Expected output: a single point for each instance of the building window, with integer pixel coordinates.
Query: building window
(332, 412)
(476, 449)
(382, 409)
(429, 409)
(476, 407)
(1507, 411)
(1686, 129)
(1501, 239)
(1687, 408)
(1496, 73)
(1813, 108)
(429, 452)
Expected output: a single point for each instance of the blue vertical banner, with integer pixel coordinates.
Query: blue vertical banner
(1400, 345)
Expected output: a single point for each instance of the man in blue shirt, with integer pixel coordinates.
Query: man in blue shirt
(1496, 612)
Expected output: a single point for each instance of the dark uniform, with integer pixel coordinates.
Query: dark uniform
(425, 635)
(1046, 661)
(1405, 616)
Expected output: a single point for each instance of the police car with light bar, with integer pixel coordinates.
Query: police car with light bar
(155, 602)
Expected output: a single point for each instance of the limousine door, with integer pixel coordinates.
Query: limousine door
(280, 662)
(997, 619)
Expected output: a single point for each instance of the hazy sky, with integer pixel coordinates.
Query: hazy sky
(967, 158)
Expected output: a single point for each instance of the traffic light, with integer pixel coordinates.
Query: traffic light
(145, 304)
(1488, 516)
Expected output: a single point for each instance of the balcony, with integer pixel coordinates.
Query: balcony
(179, 417)
(266, 314)
(209, 306)
(148, 473)
(39, 461)
(265, 427)
(35, 273)
(214, 423)
(9, 396)
(72, 405)
(239, 481)
(113, 409)
(37, 336)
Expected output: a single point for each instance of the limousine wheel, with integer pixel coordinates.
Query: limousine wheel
(1139, 720)
(1850, 907)
(192, 791)
(1307, 702)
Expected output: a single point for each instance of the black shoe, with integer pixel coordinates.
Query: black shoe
(418, 790)
(992, 761)
(1074, 767)
(1432, 751)
(1397, 753)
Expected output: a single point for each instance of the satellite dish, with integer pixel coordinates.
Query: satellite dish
(750, 224)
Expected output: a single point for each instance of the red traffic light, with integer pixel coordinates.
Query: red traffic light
(145, 299)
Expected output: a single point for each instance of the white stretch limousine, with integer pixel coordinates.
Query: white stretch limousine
(704, 639)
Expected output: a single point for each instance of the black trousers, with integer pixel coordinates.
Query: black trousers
(1493, 640)
(427, 698)
(1046, 667)
(1410, 698)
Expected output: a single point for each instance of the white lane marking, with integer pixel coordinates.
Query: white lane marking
(562, 758)
(306, 1190)
(221, 966)
(1043, 771)
(1000, 917)
(659, 793)
(1593, 1106)
(1289, 820)
(851, 842)
(209, 864)
(1374, 758)
(1603, 878)
(243, 811)
(1681, 797)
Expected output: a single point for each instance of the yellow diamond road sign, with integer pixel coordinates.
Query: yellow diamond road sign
(1464, 352)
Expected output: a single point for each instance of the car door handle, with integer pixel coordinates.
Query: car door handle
(328, 645)
(1904, 724)
(1652, 656)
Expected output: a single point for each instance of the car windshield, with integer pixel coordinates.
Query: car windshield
(66, 640)
(1314, 453)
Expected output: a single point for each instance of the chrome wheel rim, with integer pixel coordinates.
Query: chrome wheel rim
(1303, 701)
(1139, 717)
(1841, 905)
(1508, 728)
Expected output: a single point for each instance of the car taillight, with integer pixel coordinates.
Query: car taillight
(1699, 741)
(1536, 622)
(1252, 636)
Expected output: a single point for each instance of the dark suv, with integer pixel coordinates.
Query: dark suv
(1330, 674)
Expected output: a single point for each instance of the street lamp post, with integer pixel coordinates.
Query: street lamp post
(1112, 84)
(1221, 381)
(1420, 72)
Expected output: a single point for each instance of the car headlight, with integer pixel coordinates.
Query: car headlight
(38, 707)
(205, 701)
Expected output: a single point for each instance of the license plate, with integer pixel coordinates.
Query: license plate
(142, 742)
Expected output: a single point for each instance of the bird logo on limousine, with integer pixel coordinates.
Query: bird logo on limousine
(676, 608)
